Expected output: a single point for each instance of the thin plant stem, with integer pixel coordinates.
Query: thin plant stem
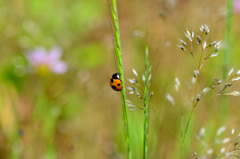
(194, 104)
(146, 107)
(118, 53)
(226, 58)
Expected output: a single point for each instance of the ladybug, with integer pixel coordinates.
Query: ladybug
(115, 82)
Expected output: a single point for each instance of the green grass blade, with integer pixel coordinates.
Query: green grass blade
(146, 105)
(118, 53)
(227, 56)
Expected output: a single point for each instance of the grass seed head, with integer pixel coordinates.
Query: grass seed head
(135, 72)
(234, 93)
(199, 40)
(213, 43)
(198, 97)
(195, 155)
(204, 29)
(183, 43)
(235, 79)
(214, 55)
(226, 140)
(182, 48)
(238, 73)
(177, 84)
(204, 45)
(230, 72)
(222, 150)
(143, 78)
(131, 88)
(170, 99)
(133, 81)
(196, 73)
(221, 130)
(210, 151)
(189, 36)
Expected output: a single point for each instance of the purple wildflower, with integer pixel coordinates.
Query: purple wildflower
(236, 5)
(44, 61)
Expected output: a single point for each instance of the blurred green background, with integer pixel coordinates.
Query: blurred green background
(76, 115)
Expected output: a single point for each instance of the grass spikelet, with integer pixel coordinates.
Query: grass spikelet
(118, 53)
(142, 91)
(147, 96)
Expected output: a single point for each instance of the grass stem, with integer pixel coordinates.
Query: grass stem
(118, 53)
(146, 106)
(226, 58)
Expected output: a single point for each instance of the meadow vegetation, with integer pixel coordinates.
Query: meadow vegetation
(179, 63)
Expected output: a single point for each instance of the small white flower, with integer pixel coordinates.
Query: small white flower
(221, 130)
(232, 131)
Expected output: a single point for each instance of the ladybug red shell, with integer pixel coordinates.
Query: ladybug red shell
(115, 82)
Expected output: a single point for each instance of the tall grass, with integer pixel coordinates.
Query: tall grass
(118, 53)
(208, 51)
(227, 55)
(147, 97)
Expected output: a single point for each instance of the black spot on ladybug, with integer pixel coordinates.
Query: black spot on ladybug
(114, 87)
(118, 84)
(111, 80)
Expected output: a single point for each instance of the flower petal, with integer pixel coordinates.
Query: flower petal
(37, 56)
(55, 53)
(59, 67)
